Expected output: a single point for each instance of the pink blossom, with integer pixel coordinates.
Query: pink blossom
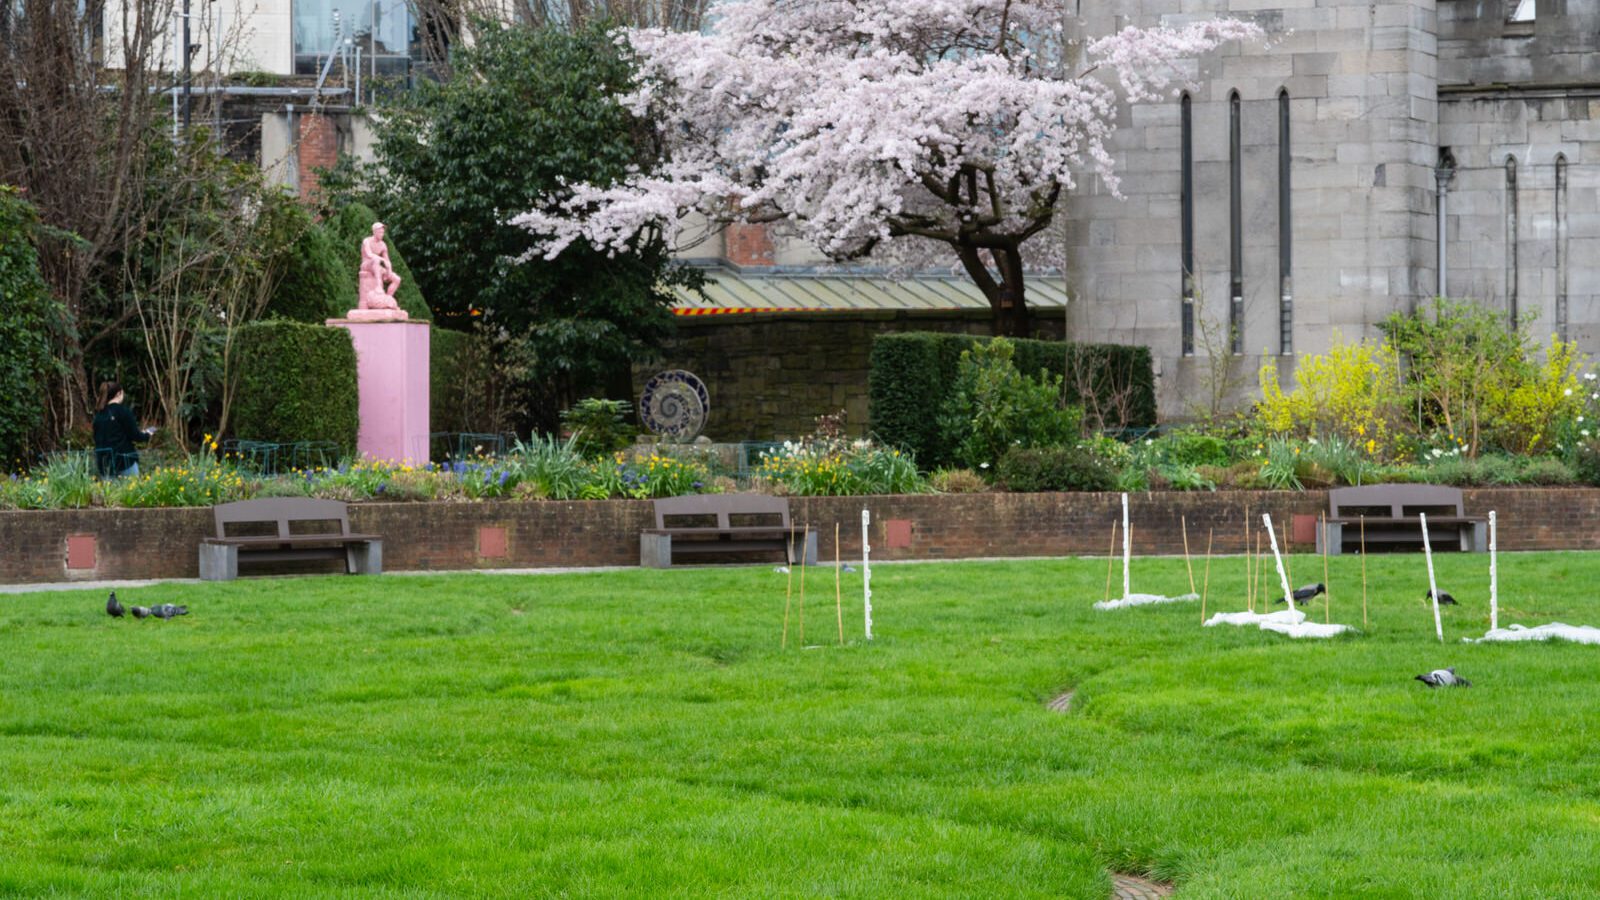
(864, 125)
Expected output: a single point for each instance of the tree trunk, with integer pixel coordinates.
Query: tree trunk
(1007, 300)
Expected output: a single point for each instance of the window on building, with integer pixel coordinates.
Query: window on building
(1522, 11)
(1285, 244)
(1186, 199)
(1511, 238)
(381, 29)
(1561, 246)
(1235, 226)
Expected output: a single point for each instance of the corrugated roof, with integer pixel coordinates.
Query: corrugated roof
(731, 290)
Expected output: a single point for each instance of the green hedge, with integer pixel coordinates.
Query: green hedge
(348, 228)
(27, 315)
(313, 285)
(911, 375)
(297, 382)
(460, 382)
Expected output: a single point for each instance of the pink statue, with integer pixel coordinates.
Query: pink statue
(377, 283)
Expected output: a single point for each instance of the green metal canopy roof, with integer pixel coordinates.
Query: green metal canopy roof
(728, 289)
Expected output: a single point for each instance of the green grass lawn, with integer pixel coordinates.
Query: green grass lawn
(641, 733)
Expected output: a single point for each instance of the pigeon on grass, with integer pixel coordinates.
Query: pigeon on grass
(1444, 598)
(167, 611)
(1303, 595)
(1443, 678)
(140, 612)
(114, 608)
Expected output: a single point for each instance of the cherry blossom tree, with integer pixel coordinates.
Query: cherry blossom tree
(879, 126)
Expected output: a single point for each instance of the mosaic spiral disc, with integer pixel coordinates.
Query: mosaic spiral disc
(674, 405)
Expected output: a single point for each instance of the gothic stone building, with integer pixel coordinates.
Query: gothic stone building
(1305, 189)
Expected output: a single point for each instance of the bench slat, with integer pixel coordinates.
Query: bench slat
(267, 539)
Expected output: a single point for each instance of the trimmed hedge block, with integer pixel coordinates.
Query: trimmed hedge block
(297, 382)
(460, 380)
(912, 374)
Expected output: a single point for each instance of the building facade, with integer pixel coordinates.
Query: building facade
(1304, 190)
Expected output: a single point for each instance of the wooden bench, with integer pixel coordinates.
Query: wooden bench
(1391, 516)
(721, 524)
(277, 538)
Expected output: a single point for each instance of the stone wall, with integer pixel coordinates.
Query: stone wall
(67, 545)
(771, 374)
(1360, 82)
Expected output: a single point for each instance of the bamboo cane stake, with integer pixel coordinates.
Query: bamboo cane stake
(1184, 522)
(805, 529)
(1261, 565)
(788, 590)
(1205, 583)
(1111, 560)
(838, 585)
(1363, 571)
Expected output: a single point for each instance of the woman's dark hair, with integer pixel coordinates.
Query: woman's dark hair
(108, 389)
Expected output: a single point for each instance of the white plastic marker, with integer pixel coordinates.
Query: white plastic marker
(1433, 587)
(1494, 581)
(1272, 536)
(866, 569)
(1127, 550)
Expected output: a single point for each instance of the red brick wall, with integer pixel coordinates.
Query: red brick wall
(161, 543)
(317, 147)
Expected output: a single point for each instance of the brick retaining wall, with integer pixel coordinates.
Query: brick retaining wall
(54, 545)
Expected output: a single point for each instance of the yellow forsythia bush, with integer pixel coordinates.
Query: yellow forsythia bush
(1526, 412)
(1353, 392)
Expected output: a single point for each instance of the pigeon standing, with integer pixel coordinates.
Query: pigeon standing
(1444, 598)
(113, 607)
(1443, 678)
(1304, 594)
(141, 612)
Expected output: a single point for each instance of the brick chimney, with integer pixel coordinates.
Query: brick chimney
(748, 246)
(316, 147)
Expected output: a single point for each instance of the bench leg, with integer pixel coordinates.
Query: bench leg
(364, 559)
(1475, 537)
(219, 562)
(811, 550)
(655, 551)
(1335, 538)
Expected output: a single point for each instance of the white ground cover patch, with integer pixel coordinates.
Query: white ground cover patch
(1143, 600)
(1306, 629)
(1281, 617)
(1555, 631)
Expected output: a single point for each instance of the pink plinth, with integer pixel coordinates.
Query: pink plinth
(392, 373)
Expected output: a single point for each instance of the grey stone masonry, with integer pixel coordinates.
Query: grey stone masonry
(1377, 91)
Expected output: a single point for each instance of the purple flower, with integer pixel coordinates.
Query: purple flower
(697, 485)
(503, 477)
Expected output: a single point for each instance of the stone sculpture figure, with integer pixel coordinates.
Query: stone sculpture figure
(377, 283)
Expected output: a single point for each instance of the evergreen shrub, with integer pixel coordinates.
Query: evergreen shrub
(297, 382)
(461, 380)
(912, 375)
(315, 284)
(1068, 468)
(28, 313)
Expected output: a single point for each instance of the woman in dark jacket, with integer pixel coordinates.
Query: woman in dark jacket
(115, 433)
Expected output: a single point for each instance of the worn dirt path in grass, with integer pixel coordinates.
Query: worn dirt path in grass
(1131, 887)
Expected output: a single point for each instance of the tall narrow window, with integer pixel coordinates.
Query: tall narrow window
(1511, 238)
(1235, 228)
(1285, 244)
(1186, 199)
(1561, 245)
